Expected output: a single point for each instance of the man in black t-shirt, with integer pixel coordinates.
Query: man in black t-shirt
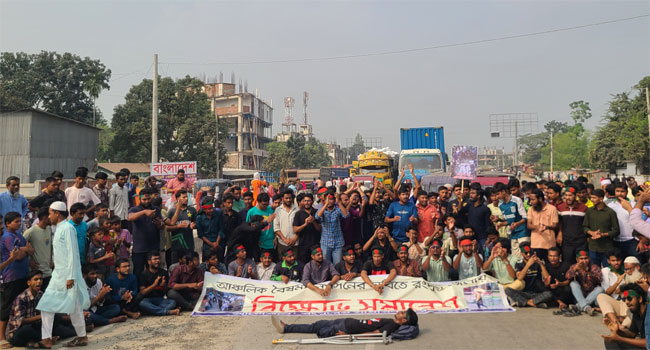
(378, 266)
(181, 222)
(342, 326)
(153, 286)
(634, 336)
(306, 227)
(532, 272)
(558, 284)
(146, 223)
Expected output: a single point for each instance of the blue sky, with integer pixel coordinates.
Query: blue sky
(456, 87)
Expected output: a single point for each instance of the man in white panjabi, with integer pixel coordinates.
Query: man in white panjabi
(66, 293)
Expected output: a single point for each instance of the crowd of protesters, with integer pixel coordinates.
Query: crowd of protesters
(575, 246)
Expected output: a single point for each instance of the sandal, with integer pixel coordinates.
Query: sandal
(38, 345)
(76, 342)
(5, 344)
(558, 312)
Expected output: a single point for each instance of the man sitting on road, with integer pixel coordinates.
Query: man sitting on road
(289, 269)
(349, 267)
(532, 272)
(405, 266)
(436, 265)
(632, 337)
(264, 268)
(319, 270)
(241, 266)
(342, 326)
(585, 281)
(186, 283)
(378, 266)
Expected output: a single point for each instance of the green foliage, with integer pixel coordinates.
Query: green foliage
(570, 150)
(531, 146)
(356, 149)
(63, 84)
(625, 133)
(186, 127)
(580, 111)
(296, 153)
(556, 127)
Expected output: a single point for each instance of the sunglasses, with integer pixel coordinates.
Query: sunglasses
(627, 298)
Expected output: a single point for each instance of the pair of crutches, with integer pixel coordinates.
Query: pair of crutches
(347, 339)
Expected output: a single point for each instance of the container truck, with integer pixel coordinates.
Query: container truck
(425, 149)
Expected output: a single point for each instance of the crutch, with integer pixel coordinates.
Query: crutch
(370, 338)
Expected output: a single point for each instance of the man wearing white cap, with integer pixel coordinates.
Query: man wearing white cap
(66, 293)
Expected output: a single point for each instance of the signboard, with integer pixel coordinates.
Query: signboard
(464, 162)
(168, 170)
(229, 295)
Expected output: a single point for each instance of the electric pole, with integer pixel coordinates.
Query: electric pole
(154, 112)
(552, 177)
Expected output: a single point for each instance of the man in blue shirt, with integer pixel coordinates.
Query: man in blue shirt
(330, 217)
(77, 213)
(12, 200)
(515, 214)
(124, 288)
(401, 214)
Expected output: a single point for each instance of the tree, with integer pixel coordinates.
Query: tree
(570, 150)
(296, 153)
(62, 84)
(531, 146)
(580, 111)
(556, 127)
(186, 126)
(625, 133)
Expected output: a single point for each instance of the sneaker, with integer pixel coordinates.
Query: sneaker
(277, 324)
(512, 302)
(542, 306)
(589, 310)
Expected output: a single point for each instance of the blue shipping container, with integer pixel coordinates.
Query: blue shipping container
(432, 138)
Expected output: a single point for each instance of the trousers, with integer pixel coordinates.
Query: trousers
(182, 300)
(157, 306)
(102, 316)
(334, 255)
(322, 328)
(582, 300)
(76, 317)
(522, 296)
(32, 332)
(609, 305)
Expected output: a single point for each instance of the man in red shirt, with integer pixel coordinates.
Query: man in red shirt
(428, 215)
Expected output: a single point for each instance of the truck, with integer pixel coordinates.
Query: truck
(377, 164)
(425, 149)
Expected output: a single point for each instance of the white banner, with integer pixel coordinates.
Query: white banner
(228, 295)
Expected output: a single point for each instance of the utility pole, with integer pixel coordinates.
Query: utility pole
(552, 177)
(516, 157)
(647, 104)
(154, 112)
(216, 117)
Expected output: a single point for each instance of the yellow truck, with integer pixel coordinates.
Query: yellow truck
(377, 164)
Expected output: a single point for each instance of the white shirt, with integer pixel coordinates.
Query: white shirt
(93, 292)
(118, 201)
(623, 222)
(264, 273)
(81, 195)
(609, 278)
(283, 222)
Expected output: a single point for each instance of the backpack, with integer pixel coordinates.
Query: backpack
(405, 332)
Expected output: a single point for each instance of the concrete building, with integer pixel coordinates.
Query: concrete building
(249, 119)
(336, 154)
(33, 143)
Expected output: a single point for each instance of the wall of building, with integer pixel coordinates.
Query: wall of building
(14, 145)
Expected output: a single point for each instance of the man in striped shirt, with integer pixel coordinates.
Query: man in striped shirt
(571, 236)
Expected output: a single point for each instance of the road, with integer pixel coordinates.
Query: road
(523, 329)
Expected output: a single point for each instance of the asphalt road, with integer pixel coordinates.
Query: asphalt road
(523, 329)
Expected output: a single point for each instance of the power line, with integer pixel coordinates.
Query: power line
(426, 48)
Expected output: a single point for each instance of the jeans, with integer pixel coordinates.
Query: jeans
(583, 301)
(334, 255)
(323, 328)
(139, 262)
(157, 306)
(627, 247)
(103, 315)
(599, 259)
(569, 251)
(181, 300)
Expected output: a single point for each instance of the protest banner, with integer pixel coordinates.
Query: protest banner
(228, 295)
(168, 170)
(464, 162)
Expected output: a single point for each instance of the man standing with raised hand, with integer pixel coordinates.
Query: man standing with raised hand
(66, 292)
